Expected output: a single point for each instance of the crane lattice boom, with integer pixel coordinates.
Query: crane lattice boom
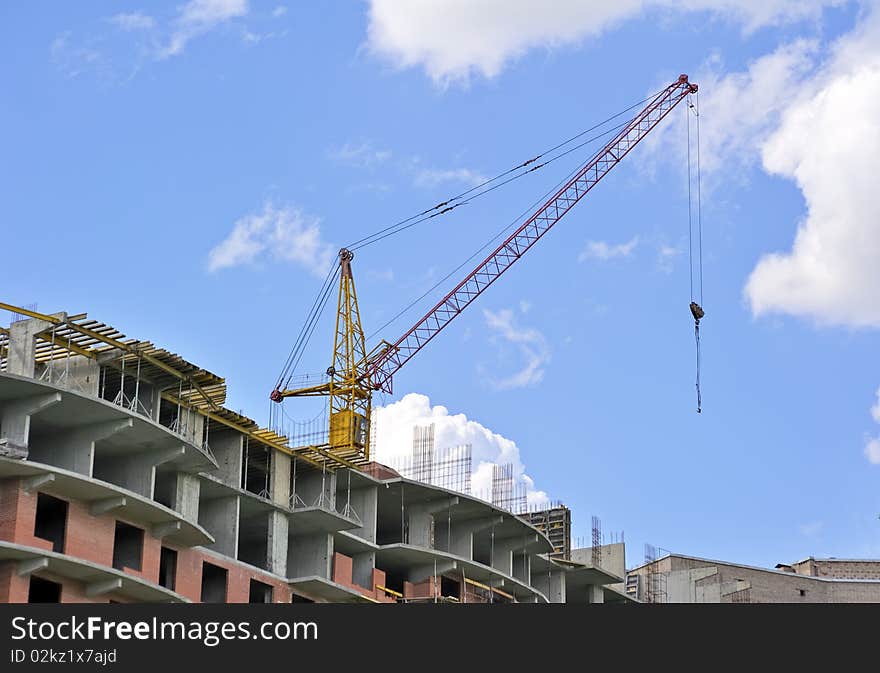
(383, 367)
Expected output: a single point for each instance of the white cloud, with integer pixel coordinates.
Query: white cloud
(133, 21)
(198, 17)
(875, 410)
(394, 431)
(280, 10)
(454, 39)
(362, 155)
(528, 340)
(281, 234)
(872, 450)
(739, 111)
(604, 251)
(828, 143)
(432, 177)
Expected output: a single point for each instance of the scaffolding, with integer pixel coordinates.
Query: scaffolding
(655, 580)
(506, 492)
(448, 468)
(129, 369)
(597, 543)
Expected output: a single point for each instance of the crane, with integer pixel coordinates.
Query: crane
(355, 373)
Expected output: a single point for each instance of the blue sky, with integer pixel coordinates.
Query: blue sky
(183, 171)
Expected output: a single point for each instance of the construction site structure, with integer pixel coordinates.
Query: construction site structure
(124, 478)
(554, 520)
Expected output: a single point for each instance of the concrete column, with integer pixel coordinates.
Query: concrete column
(310, 555)
(316, 488)
(135, 472)
(22, 344)
(186, 496)
(279, 478)
(74, 449)
(421, 520)
(15, 423)
(228, 448)
(595, 594)
(276, 545)
(521, 566)
(462, 543)
(219, 517)
(551, 584)
(364, 501)
(362, 566)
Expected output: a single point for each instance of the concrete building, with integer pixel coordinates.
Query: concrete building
(686, 579)
(123, 478)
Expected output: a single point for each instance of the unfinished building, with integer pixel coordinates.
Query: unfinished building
(676, 578)
(123, 478)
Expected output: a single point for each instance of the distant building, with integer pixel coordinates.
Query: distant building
(687, 579)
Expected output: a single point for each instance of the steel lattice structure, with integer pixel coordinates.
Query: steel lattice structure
(393, 357)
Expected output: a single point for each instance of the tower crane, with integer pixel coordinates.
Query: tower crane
(355, 373)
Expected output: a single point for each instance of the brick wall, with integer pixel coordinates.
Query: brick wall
(13, 588)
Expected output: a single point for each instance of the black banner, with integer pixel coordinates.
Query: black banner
(242, 637)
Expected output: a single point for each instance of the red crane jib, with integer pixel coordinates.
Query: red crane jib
(383, 367)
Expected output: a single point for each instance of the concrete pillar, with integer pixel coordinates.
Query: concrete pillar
(279, 478)
(421, 520)
(551, 584)
(310, 555)
(362, 566)
(219, 517)
(22, 344)
(228, 449)
(74, 449)
(462, 543)
(276, 545)
(595, 594)
(521, 566)
(135, 472)
(186, 496)
(15, 423)
(316, 488)
(364, 501)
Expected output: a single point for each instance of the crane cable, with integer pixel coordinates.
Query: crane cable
(489, 242)
(307, 329)
(696, 307)
(458, 200)
(441, 208)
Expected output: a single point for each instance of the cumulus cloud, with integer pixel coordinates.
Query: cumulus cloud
(828, 142)
(393, 427)
(605, 251)
(198, 17)
(454, 39)
(742, 110)
(529, 341)
(280, 234)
